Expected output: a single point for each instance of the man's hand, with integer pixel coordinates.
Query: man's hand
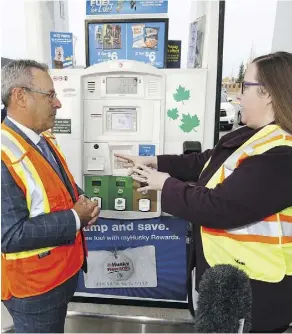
(94, 216)
(154, 179)
(87, 211)
(131, 161)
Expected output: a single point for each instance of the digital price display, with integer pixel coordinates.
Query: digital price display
(121, 85)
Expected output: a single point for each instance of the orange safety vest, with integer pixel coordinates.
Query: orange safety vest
(262, 249)
(34, 272)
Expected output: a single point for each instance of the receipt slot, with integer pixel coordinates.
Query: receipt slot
(123, 112)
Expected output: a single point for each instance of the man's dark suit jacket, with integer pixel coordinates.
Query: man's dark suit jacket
(19, 232)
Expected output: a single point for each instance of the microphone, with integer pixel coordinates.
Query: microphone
(224, 302)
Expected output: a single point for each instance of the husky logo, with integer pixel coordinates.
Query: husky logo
(119, 267)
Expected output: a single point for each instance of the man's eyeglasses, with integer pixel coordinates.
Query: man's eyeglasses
(247, 84)
(51, 95)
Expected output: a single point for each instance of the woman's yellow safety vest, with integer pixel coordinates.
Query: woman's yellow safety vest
(262, 249)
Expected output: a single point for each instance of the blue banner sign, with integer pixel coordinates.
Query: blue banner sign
(143, 259)
(143, 41)
(61, 49)
(120, 7)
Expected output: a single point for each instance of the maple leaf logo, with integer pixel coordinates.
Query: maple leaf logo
(189, 122)
(181, 94)
(172, 113)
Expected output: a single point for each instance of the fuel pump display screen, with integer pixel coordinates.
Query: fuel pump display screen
(121, 121)
(96, 183)
(121, 118)
(121, 85)
(120, 184)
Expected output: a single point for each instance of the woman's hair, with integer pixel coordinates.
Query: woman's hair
(274, 71)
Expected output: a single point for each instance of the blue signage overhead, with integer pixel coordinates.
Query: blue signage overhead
(146, 43)
(141, 259)
(120, 7)
(61, 49)
(141, 41)
(107, 42)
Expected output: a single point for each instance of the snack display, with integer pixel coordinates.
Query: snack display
(139, 40)
(108, 36)
(144, 37)
(138, 36)
(151, 39)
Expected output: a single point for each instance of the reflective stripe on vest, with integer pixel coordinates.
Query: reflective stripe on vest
(262, 249)
(53, 140)
(27, 172)
(45, 268)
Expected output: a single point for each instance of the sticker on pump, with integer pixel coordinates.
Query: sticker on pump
(119, 267)
(146, 150)
(133, 267)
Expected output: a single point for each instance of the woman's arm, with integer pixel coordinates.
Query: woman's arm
(185, 167)
(259, 187)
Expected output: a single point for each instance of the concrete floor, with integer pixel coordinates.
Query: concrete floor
(6, 319)
(180, 320)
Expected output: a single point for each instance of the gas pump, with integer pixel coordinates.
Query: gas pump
(122, 114)
(123, 104)
(130, 108)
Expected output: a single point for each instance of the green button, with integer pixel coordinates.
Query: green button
(96, 190)
(120, 191)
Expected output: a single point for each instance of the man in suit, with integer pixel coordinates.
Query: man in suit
(43, 210)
